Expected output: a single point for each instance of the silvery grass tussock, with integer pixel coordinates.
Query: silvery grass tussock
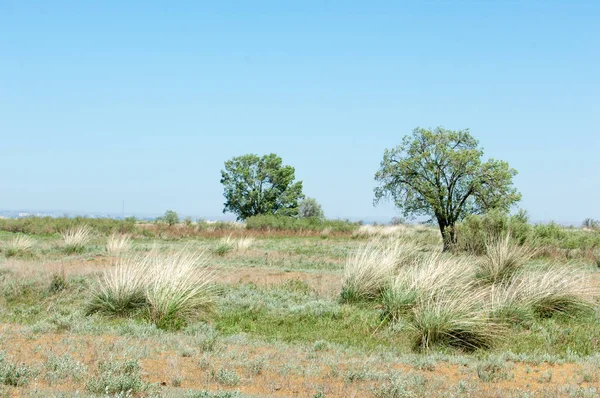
(170, 289)
(75, 239)
(19, 245)
(118, 243)
(371, 268)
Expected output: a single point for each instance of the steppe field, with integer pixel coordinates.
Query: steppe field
(121, 309)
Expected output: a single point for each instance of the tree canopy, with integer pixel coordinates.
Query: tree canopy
(256, 185)
(440, 174)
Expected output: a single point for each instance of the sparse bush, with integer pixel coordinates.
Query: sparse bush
(14, 374)
(493, 370)
(222, 249)
(118, 243)
(20, 245)
(75, 239)
(117, 378)
(590, 223)
(227, 377)
(58, 282)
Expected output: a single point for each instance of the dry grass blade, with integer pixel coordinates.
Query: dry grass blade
(118, 243)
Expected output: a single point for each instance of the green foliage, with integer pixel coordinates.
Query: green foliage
(283, 223)
(440, 173)
(117, 378)
(260, 185)
(310, 208)
(13, 374)
(51, 225)
(170, 218)
(474, 233)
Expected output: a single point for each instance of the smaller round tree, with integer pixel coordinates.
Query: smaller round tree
(310, 208)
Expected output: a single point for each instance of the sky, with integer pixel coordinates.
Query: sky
(144, 101)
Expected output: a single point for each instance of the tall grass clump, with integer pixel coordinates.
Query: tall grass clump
(118, 243)
(121, 290)
(75, 239)
(20, 245)
(180, 287)
(425, 277)
(503, 258)
(168, 289)
(370, 269)
(559, 289)
(456, 317)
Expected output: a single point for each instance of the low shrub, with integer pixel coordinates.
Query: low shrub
(277, 222)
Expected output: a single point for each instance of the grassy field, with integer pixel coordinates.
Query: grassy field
(293, 314)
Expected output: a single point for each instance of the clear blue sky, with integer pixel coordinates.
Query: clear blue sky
(144, 101)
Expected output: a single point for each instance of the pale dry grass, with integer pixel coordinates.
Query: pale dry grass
(75, 239)
(180, 287)
(170, 288)
(19, 245)
(240, 244)
(456, 317)
(426, 276)
(503, 259)
(558, 289)
(118, 243)
(370, 269)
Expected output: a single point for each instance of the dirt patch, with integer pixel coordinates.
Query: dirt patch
(268, 370)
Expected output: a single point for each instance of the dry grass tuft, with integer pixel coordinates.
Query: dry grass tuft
(455, 317)
(118, 243)
(19, 245)
(75, 239)
(171, 289)
(503, 259)
(180, 287)
(370, 269)
(425, 277)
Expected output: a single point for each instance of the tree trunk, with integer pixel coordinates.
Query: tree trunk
(448, 235)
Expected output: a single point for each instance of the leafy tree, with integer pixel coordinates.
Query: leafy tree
(260, 185)
(440, 173)
(170, 218)
(309, 207)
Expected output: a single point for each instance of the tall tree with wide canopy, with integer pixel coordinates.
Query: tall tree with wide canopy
(256, 185)
(440, 173)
